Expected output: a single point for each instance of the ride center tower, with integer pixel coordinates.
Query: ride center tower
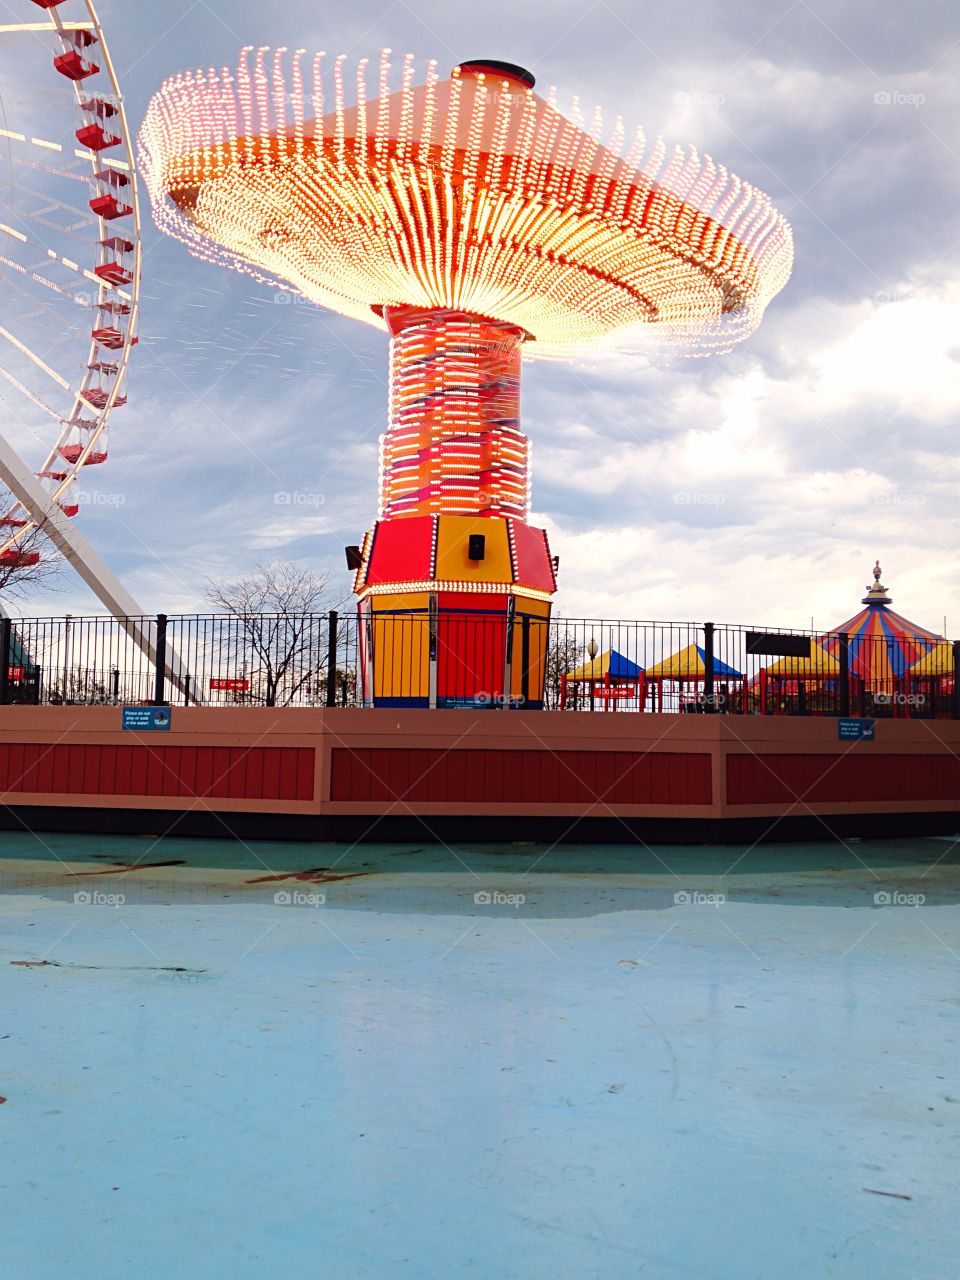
(474, 223)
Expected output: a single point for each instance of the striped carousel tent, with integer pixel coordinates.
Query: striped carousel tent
(935, 662)
(883, 645)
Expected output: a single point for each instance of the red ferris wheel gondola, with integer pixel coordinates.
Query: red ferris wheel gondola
(75, 210)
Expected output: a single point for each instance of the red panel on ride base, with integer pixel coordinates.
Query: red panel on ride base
(401, 550)
(800, 780)
(471, 655)
(473, 601)
(520, 777)
(533, 567)
(235, 773)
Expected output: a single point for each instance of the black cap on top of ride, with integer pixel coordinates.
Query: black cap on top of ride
(508, 70)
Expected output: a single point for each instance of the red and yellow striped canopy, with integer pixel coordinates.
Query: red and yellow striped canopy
(883, 644)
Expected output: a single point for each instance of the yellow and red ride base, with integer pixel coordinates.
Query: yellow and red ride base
(442, 629)
(454, 585)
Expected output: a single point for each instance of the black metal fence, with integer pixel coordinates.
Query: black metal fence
(473, 659)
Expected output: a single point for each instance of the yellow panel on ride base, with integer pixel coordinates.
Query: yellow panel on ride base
(453, 546)
(400, 641)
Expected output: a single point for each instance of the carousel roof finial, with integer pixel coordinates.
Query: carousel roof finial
(876, 594)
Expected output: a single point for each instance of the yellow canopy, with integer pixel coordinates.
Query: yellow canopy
(611, 664)
(937, 662)
(817, 666)
(689, 664)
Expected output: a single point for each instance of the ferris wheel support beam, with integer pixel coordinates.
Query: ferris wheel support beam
(91, 567)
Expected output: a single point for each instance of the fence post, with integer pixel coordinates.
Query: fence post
(956, 679)
(332, 658)
(115, 684)
(6, 629)
(708, 667)
(434, 640)
(186, 691)
(159, 688)
(844, 647)
(508, 650)
(524, 661)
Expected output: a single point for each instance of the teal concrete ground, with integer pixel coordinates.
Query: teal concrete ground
(303, 1061)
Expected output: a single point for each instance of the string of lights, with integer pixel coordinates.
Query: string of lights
(472, 194)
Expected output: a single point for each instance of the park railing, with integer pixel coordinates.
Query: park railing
(477, 660)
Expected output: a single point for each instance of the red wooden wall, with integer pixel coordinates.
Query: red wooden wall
(781, 779)
(234, 773)
(521, 777)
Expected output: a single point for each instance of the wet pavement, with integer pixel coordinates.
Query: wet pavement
(500, 1061)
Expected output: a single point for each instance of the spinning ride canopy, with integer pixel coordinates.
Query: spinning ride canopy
(883, 645)
(471, 194)
(470, 219)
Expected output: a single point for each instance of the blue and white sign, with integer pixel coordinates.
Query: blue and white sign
(146, 718)
(855, 730)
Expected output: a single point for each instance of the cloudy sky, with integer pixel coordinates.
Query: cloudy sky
(755, 487)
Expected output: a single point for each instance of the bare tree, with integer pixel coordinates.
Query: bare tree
(20, 572)
(564, 655)
(281, 631)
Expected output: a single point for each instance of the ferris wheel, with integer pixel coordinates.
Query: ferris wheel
(70, 274)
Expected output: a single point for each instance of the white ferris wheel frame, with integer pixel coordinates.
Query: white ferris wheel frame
(106, 293)
(43, 507)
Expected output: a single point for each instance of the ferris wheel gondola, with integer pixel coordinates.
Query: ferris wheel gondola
(70, 266)
(70, 253)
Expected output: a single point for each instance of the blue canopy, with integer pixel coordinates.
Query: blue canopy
(611, 664)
